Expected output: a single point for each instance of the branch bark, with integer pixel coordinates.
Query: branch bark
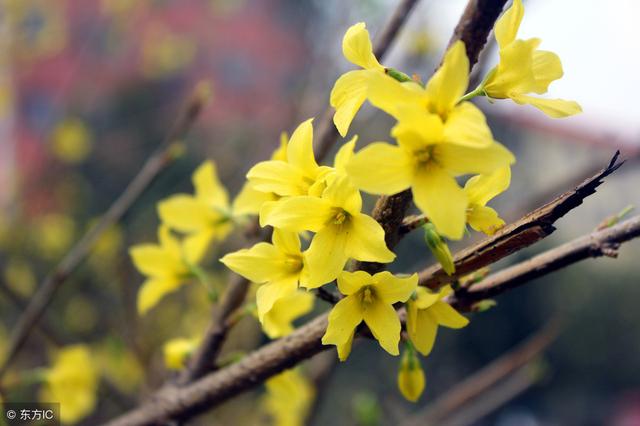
(600, 243)
(531, 228)
(157, 162)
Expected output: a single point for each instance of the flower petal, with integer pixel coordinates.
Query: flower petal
(381, 168)
(482, 188)
(341, 193)
(351, 282)
(447, 316)
(356, 47)
(464, 160)
(269, 293)
(366, 241)
(153, 290)
(278, 177)
(554, 108)
(343, 319)
(546, 68)
(185, 213)
(261, 263)
(347, 96)
(298, 214)
(422, 330)
(300, 149)
(344, 155)
(208, 187)
(249, 200)
(438, 195)
(384, 324)
(326, 256)
(466, 125)
(154, 261)
(391, 289)
(506, 27)
(484, 219)
(286, 242)
(448, 84)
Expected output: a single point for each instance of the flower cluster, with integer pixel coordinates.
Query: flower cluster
(315, 211)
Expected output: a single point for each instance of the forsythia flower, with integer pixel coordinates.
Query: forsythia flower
(480, 189)
(288, 399)
(279, 267)
(342, 232)
(411, 379)
(426, 312)
(524, 69)
(177, 351)
(369, 299)
(296, 175)
(250, 200)
(205, 216)
(350, 90)
(71, 381)
(167, 266)
(277, 321)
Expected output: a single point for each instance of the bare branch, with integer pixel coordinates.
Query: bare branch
(531, 228)
(157, 162)
(596, 244)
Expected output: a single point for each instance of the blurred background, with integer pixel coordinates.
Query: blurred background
(88, 89)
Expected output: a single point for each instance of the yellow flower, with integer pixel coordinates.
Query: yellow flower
(294, 176)
(461, 123)
(53, 234)
(342, 232)
(425, 163)
(480, 189)
(288, 399)
(369, 299)
(439, 248)
(350, 90)
(249, 200)
(205, 217)
(277, 322)
(426, 312)
(19, 276)
(279, 267)
(167, 266)
(177, 351)
(71, 381)
(411, 379)
(71, 141)
(165, 53)
(524, 69)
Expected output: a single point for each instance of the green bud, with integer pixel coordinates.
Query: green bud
(483, 305)
(439, 248)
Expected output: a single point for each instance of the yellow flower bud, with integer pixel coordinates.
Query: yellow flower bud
(410, 376)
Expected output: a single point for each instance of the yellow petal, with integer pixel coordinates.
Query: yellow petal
(278, 177)
(268, 294)
(384, 324)
(298, 214)
(344, 349)
(153, 290)
(280, 153)
(389, 95)
(154, 261)
(449, 83)
(356, 47)
(351, 282)
(286, 242)
(484, 219)
(482, 188)
(381, 168)
(461, 160)
(438, 195)
(467, 126)
(185, 213)
(341, 193)
(326, 256)
(197, 244)
(344, 155)
(554, 108)
(411, 379)
(261, 263)
(208, 187)
(422, 328)
(507, 25)
(176, 352)
(426, 298)
(366, 241)
(343, 319)
(514, 74)
(278, 321)
(300, 149)
(249, 200)
(347, 96)
(417, 128)
(391, 289)
(546, 68)
(447, 316)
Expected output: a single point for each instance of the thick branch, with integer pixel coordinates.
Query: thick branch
(531, 228)
(204, 358)
(600, 243)
(157, 162)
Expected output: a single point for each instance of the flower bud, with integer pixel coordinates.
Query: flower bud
(439, 248)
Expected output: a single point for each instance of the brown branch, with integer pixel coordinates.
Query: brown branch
(159, 160)
(531, 228)
(204, 358)
(600, 243)
(482, 380)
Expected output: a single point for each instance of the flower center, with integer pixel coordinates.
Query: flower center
(423, 156)
(368, 295)
(339, 217)
(293, 263)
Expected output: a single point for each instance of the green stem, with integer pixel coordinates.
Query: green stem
(398, 75)
(202, 278)
(478, 91)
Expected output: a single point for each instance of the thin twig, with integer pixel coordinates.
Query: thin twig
(524, 232)
(485, 378)
(596, 244)
(159, 160)
(204, 358)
